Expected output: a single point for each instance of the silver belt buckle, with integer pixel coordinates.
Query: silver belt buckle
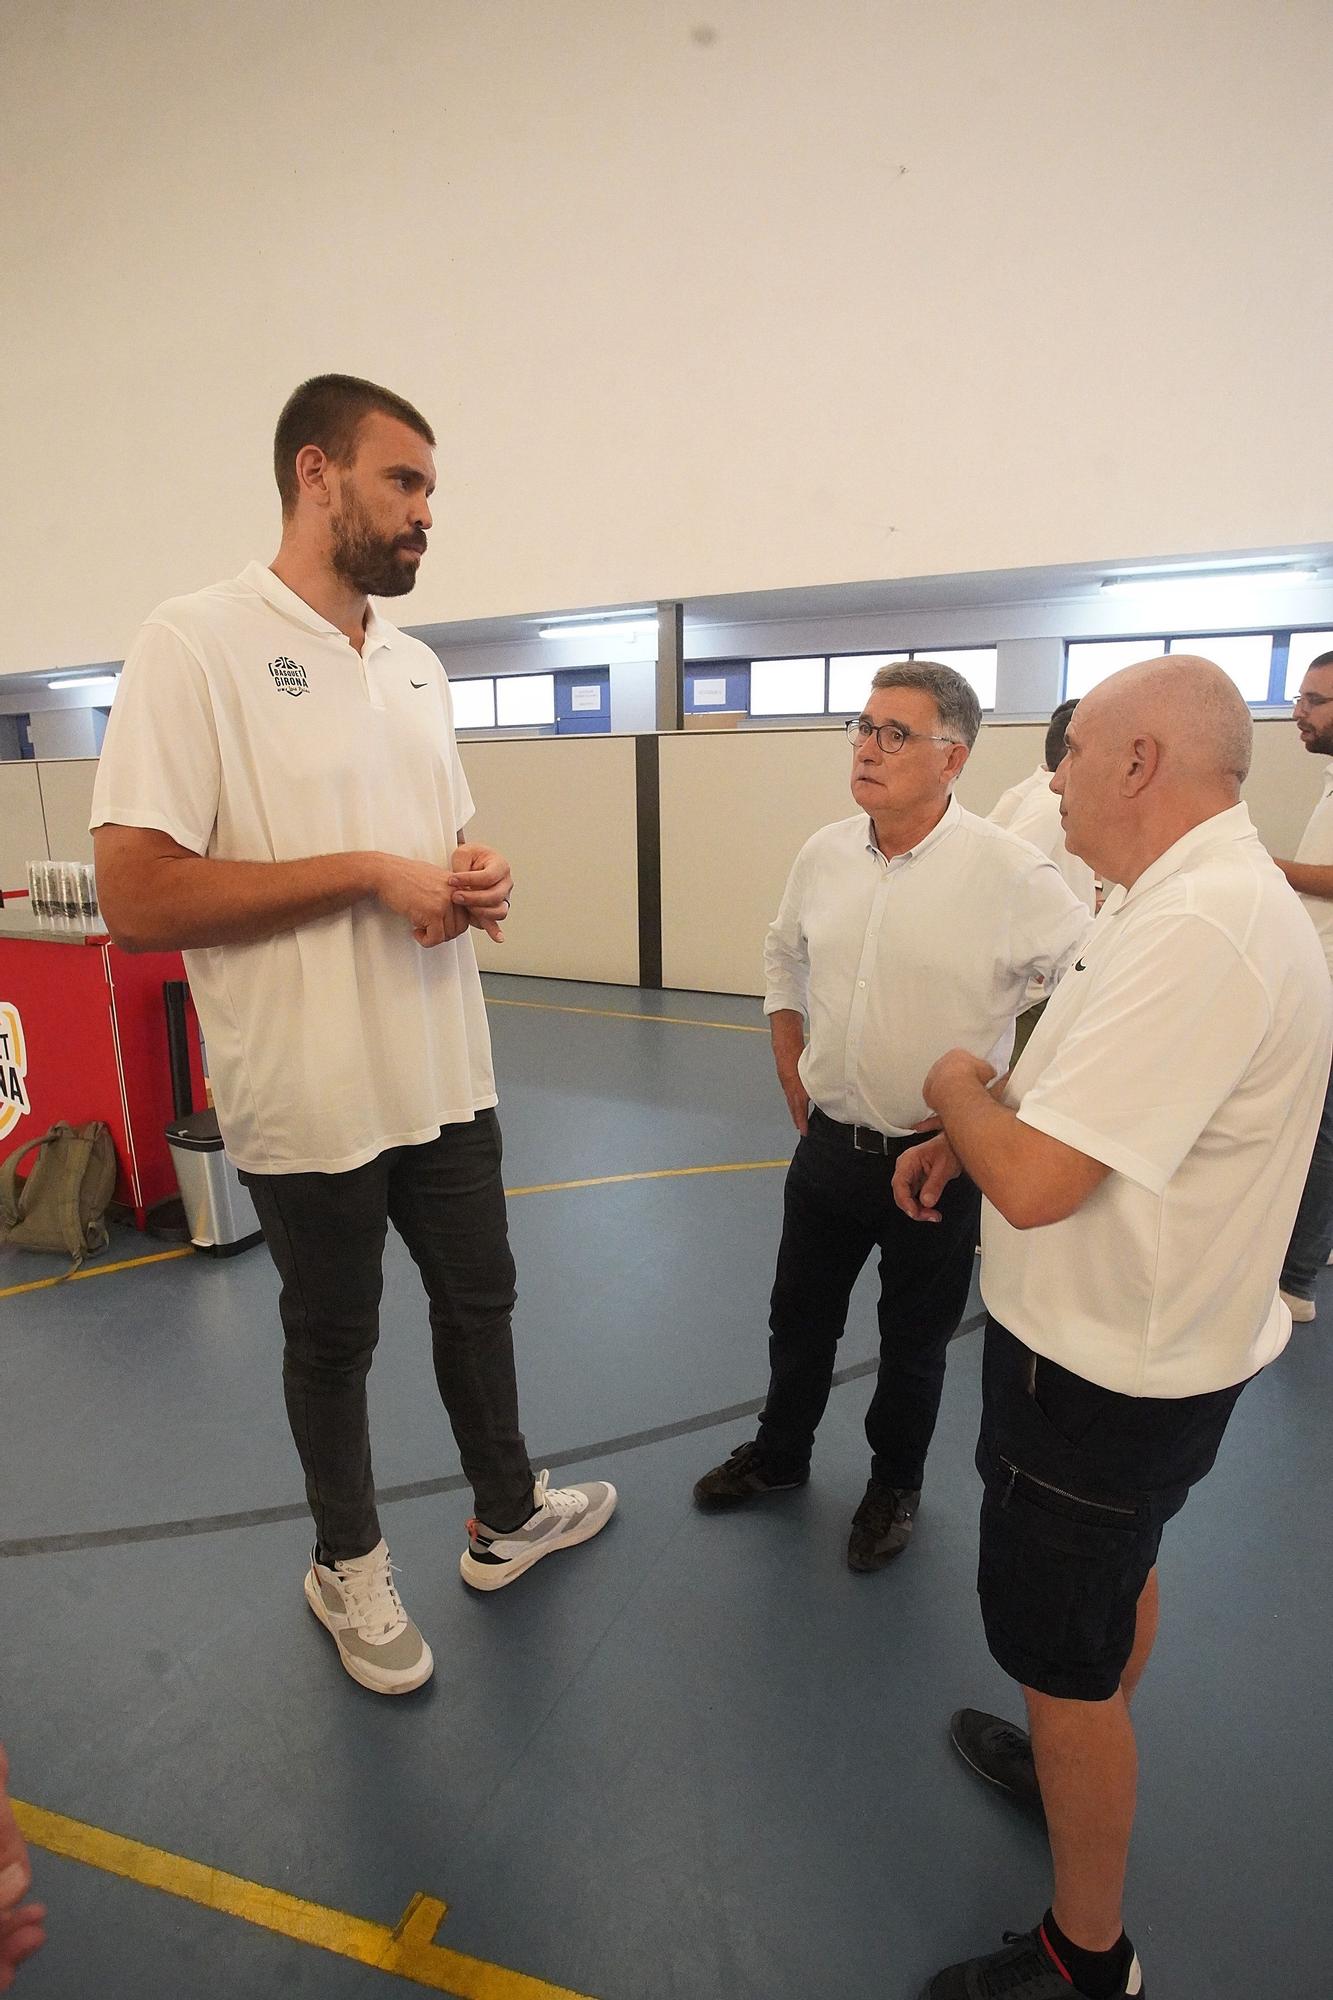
(873, 1141)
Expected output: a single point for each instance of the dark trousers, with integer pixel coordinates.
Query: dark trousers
(326, 1235)
(838, 1207)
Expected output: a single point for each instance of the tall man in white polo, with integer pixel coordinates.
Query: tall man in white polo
(1141, 1168)
(280, 795)
(1311, 876)
(906, 929)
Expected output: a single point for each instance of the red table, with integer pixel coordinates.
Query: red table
(83, 1035)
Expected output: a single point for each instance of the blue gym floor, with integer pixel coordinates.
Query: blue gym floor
(697, 1759)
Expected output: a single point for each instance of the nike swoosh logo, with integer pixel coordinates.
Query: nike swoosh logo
(417, 684)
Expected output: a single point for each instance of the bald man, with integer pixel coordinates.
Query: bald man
(1141, 1168)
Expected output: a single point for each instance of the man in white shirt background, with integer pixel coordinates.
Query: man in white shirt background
(1031, 810)
(1311, 876)
(907, 929)
(280, 795)
(1141, 1167)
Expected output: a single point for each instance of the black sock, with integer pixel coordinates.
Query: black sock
(1098, 1975)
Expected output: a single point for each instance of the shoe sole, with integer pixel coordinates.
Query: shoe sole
(722, 1503)
(494, 1576)
(1020, 1799)
(358, 1672)
(871, 1566)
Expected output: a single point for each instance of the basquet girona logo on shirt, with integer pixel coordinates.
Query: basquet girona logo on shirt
(13, 1069)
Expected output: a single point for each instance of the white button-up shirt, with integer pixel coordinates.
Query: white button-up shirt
(1317, 848)
(1188, 1051)
(893, 961)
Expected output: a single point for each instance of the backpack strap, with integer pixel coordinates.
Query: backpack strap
(12, 1192)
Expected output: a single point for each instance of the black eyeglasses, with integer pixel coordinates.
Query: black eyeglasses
(890, 736)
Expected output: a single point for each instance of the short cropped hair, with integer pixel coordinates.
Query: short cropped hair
(954, 697)
(328, 411)
(1324, 660)
(1055, 732)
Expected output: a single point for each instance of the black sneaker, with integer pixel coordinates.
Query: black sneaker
(882, 1525)
(999, 1753)
(1024, 1970)
(744, 1476)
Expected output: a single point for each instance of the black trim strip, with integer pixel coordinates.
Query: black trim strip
(417, 1489)
(648, 816)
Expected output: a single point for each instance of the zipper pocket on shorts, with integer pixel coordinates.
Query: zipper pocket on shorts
(1016, 1473)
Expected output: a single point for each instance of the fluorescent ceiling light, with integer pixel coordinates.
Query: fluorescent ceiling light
(605, 628)
(1248, 569)
(89, 681)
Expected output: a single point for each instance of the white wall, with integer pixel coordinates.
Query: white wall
(66, 732)
(699, 299)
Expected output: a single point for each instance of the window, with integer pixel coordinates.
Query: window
(524, 700)
(474, 703)
(849, 679)
(787, 687)
(1246, 656)
(1304, 647)
(1088, 661)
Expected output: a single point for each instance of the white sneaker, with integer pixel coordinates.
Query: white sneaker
(564, 1516)
(357, 1602)
(1301, 1310)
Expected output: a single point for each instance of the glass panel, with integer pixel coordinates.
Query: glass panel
(849, 679)
(787, 687)
(1088, 661)
(523, 700)
(975, 663)
(1305, 646)
(1246, 656)
(474, 703)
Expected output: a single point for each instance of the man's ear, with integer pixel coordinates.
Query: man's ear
(954, 762)
(312, 474)
(1145, 753)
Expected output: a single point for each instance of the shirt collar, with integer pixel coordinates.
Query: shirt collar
(1221, 830)
(257, 576)
(953, 812)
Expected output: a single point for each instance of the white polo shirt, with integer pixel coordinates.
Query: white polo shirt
(1188, 1050)
(894, 961)
(250, 729)
(1317, 848)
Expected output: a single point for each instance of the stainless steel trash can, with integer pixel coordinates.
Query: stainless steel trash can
(218, 1210)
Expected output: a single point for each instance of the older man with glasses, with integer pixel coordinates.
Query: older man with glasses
(1311, 876)
(905, 930)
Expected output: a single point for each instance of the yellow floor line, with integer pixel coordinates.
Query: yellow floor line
(616, 1014)
(655, 1174)
(97, 1271)
(407, 1949)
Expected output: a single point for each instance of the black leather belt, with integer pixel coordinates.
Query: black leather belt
(861, 1138)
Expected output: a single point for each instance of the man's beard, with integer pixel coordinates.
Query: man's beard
(365, 560)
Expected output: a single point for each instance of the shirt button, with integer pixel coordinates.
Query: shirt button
(861, 983)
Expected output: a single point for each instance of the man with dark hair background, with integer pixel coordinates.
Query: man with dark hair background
(280, 796)
(1311, 876)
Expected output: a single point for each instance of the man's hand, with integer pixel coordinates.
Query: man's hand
(424, 895)
(482, 887)
(921, 1176)
(955, 1067)
(21, 1924)
(788, 1031)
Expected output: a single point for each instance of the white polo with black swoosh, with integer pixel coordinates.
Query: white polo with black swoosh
(248, 728)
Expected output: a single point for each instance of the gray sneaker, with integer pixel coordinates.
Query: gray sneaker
(357, 1602)
(564, 1516)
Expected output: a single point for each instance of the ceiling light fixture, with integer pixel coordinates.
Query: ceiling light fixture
(604, 628)
(88, 681)
(1248, 569)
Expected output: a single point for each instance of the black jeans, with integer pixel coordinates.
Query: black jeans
(838, 1207)
(326, 1235)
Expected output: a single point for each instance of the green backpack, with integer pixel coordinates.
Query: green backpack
(61, 1204)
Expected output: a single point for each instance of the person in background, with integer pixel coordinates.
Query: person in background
(1141, 1166)
(1311, 876)
(22, 1925)
(1031, 810)
(906, 929)
(280, 795)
